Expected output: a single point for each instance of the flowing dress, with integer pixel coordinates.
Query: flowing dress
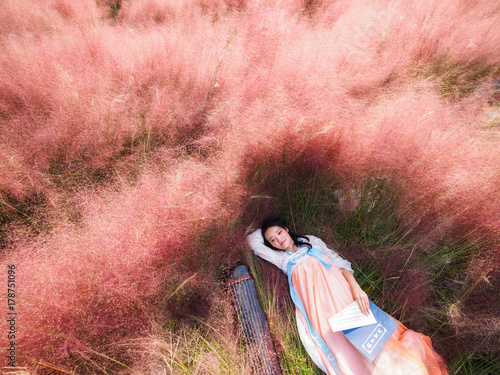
(323, 293)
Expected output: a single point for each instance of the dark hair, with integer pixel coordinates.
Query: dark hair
(274, 222)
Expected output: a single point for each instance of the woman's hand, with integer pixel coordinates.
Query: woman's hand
(362, 299)
(357, 293)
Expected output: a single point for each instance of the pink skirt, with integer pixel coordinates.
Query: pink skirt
(324, 293)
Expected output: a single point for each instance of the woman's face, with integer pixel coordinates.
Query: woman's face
(279, 238)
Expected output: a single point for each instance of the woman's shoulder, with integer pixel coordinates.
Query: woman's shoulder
(313, 240)
(318, 242)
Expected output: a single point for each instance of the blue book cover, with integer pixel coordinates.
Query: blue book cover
(370, 339)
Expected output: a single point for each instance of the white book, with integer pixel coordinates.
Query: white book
(350, 317)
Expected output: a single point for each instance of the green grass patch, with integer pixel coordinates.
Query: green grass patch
(458, 79)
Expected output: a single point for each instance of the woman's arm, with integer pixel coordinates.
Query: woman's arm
(345, 267)
(358, 294)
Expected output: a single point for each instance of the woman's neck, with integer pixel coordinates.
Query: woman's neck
(293, 248)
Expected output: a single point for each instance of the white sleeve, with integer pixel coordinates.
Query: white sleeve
(332, 255)
(256, 242)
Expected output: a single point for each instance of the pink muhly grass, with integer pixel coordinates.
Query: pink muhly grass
(153, 13)
(112, 275)
(31, 18)
(99, 94)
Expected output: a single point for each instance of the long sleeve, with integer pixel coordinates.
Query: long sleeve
(256, 243)
(332, 255)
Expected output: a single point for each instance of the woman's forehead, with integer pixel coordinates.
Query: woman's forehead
(272, 230)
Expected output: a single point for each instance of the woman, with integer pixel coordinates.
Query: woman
(321, 285)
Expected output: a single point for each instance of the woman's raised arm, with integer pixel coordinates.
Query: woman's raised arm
(256, 243)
